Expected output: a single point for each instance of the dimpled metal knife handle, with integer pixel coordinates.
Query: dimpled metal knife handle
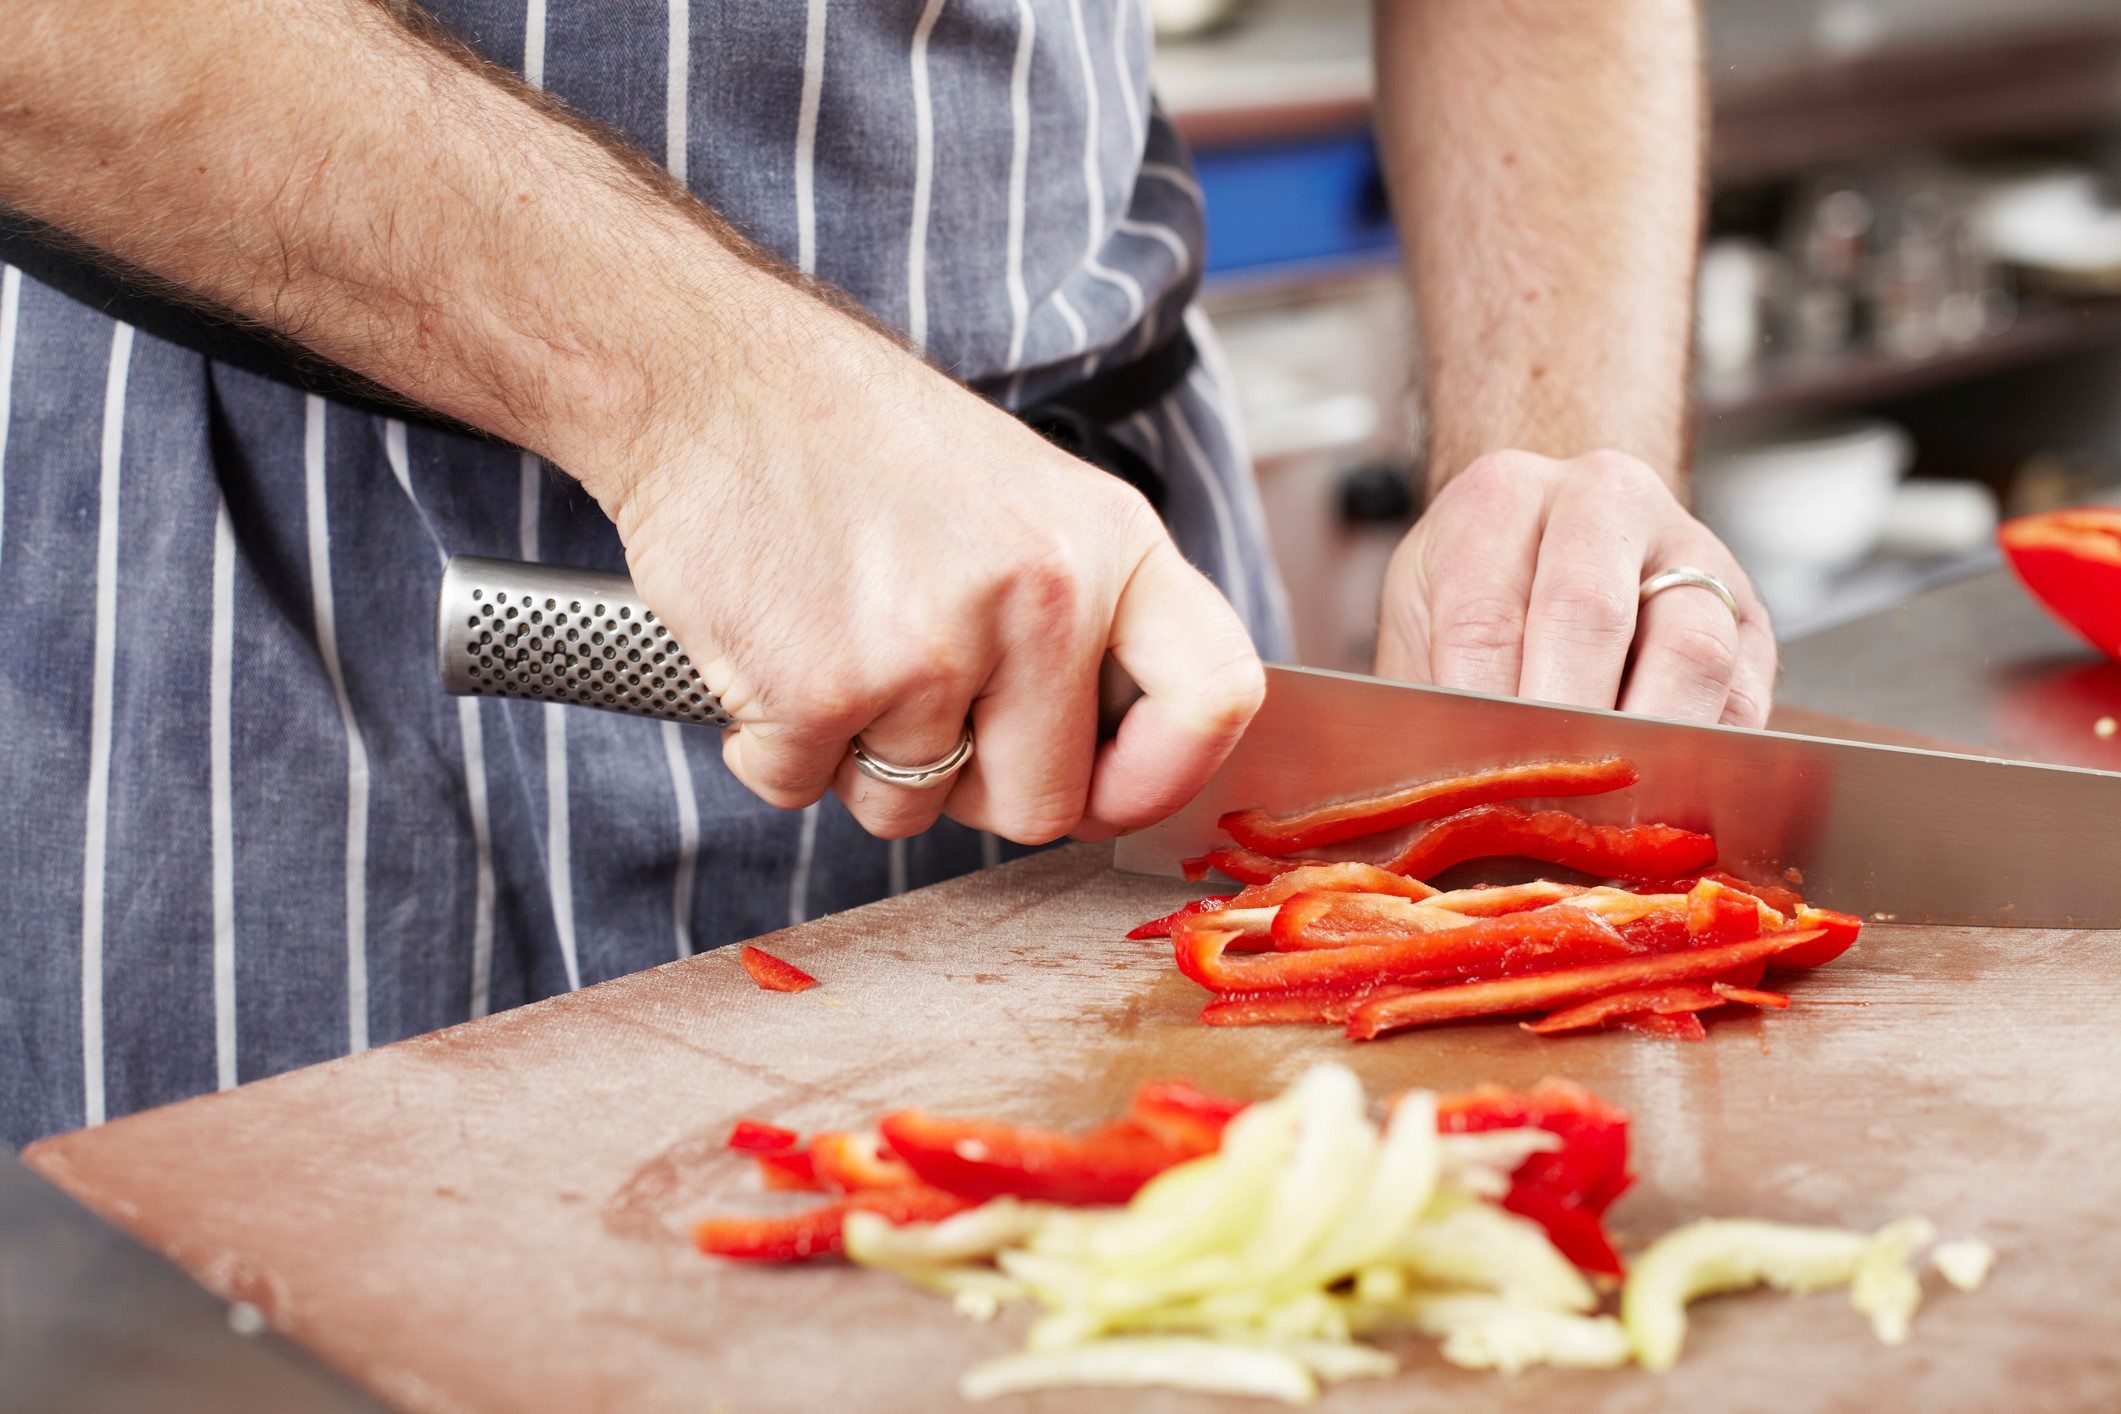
(552, 634)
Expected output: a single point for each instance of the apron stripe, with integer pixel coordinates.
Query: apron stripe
(806, 138)
(221, 807)
(534, 43)
(676, 85)
(923, 180)
(688, 835)
(315, 488)
(1019, 160)
(10, 316)
(97, 834)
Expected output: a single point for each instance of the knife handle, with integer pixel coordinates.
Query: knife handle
(549, 633)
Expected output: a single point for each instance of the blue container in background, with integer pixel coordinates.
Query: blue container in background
(1319, 202)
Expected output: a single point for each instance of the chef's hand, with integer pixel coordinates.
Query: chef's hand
(847, 543)
(1523, 576)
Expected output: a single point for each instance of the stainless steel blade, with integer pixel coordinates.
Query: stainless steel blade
(1888, 832)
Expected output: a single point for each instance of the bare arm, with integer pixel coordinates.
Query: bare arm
(1545, 156)
(891, 556)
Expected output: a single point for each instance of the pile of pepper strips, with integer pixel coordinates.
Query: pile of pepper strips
(919, 1167)
(1374, 948)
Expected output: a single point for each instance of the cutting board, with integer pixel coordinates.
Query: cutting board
(493, 1217)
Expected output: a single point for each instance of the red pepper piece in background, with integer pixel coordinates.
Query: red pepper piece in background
(1548, 937)
(1664, 1001)
(1717, 913)
(1554, 837)
(1161, 927)
(1751, 996)
(1349, 878)
(1309, 921)
(772, 974)
(1685, 1026)
(753, 1136)
(815, 1232)
(1247, 866)
(982, 1159)
(1577, 1233)
(1182, 1115)
(1429, 800)
(1395, 1009)
(1837, 934)
(2071, 561)
(857, 1161)
(1781, 899)
(1494, 900)
(1313, 1005)
(792, 1172)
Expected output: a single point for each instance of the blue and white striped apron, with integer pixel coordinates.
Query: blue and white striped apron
(244, 830)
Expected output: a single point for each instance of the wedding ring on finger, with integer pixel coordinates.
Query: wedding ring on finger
(1688, 577)
(914, 777)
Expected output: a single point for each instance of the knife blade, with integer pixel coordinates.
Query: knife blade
(1890, 833)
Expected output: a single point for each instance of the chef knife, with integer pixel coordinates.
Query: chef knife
(1887, 832)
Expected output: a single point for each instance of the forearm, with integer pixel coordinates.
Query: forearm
(394, 207)
(1545, 159)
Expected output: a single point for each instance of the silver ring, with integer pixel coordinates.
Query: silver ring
(1698, 579)
(914, 777)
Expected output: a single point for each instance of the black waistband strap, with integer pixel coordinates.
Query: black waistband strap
(1077, 418)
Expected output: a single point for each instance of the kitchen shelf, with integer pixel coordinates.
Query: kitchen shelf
(2040, 331)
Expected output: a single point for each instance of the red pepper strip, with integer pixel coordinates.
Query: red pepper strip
(1665, 1001)
(1547, 937)
(1244, 865)
(1429, 800)
(1161, 927)
(2071, 561)
(980, 1159)
(855, 1162)
(1684, 1027)
(1784, 901)
(1184, 1117)
(1837, 934)
(1348, 878)
(1492, 900)
(772, 974)
(815, 1232)
(753, 1136)
(1309, 921)
(1746, 976)
(1718, 914)
(1565, 1191)
(1304, 1004)
(1394, 1010)
(1751, 996)
(1554, 837)
(792, 1172)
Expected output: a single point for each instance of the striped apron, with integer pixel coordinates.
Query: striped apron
(245, 831)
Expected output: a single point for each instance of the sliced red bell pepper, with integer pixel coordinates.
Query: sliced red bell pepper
(1682, 1026)
(1247, 866)
(815, 1232)
(1778, 897)
(1186, 1118)
(1296, 1007)
(982, 1159)
(1346, 878)
(1717, 913)
(2071, 561)
(1751, 996)
(1494, 900)
(1161, 927)
(1394, 1009)
(1837, 934)
(792, 1172)
(1547, 937)
(856, 1161)
(753, 1136)
(1308, 921)
(1554, 837)
(1428, 800)
(1568, 1190)
(772, 974)
(1748, 975)
(1663, 1001)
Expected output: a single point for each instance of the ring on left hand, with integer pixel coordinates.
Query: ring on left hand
(1686, 576)
(914, 777)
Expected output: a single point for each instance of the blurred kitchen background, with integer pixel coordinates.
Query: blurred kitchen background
(1909, 316)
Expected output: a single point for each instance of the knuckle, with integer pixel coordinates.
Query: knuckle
(1703, 652)
(1232, 690)
(1479, 628)
(1589, 607)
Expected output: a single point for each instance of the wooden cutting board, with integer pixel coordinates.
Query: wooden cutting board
(493, 1217)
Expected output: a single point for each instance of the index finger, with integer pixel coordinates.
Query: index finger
(1201, 681)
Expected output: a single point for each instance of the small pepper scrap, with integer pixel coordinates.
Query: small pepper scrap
(1375, 948)
(772, 974)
